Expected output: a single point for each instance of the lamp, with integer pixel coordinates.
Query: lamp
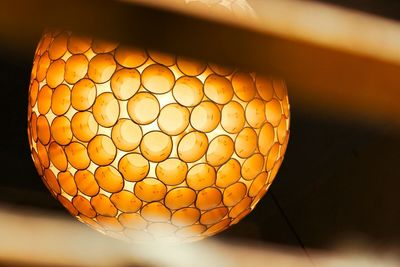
(143, 145)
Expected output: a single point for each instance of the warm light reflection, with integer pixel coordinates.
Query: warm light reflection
(143, 145)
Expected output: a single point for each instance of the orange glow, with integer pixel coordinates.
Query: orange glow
(143, 146)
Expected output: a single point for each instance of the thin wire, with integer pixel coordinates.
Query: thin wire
(291, 226)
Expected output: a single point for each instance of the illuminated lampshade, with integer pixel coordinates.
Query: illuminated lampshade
(144, 146)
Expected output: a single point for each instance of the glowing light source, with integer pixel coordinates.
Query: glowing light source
(142, 145)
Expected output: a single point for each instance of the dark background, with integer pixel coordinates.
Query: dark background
(340, 181)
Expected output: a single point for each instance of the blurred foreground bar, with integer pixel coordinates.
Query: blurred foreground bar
(29, 238)
(335, 61)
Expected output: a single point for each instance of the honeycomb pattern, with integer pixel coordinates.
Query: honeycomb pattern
(144, 146)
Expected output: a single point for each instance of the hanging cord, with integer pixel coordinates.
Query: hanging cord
(291, 226)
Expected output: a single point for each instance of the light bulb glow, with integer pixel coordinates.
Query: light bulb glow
(143, 146)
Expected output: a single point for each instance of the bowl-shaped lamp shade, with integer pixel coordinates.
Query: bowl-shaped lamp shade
(142, 145)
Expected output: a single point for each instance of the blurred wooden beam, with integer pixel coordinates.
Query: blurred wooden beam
(30, 238)
(335, 61)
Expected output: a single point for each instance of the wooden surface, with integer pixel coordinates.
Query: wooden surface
(339, 62)
(54, 241)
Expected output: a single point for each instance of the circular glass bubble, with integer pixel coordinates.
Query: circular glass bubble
(264, 88)
(86, 183)
(143, 108)
(106, 109)
(86, 211)
(272, 156)
(244, 86)
(109, 179)
(83, 94)
(201, 176)
(228, 173)
(126, 135)
(173, 119)
(273, 111)
(36, 162)
(185, 217)
(43, 130)
(188, 91)
(190, 67)
(43, 66)
(51, 181)
(192, 146)
(42, 154)
(67, 183)
(34, 67)
(125, 83)
(55, 73)
(79, 44)
(61, 100)
(102, 150)
(67, 204)
(84, 126)
(44, 99)
(103, 205)
(218, 89)
(33, 92)
(61, 130)
(233, 194)
(217, 227)
(208, 198)
(130, 57)
(275, 169)
(156, 146)
(171, 171)
(240, 207)
(266, 138)
(246, 142)
(44, 43)
(221, 70)
(205, 117)
(57, 156)
(100, 46)
(132, 220)
(162, 58)
(286, 107)
(134, 167)
(213, 216)
(76, 68)
(258, 183)
(126, 201)
(33, 126)
(156, 212)
(283, 129)
(280, 88)
(220, 150)
(180, 197)
(255, 113)
(158, 79)
(101, 68)
(232, 117)
(58, 46)
(150, 189)
(252, 166)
